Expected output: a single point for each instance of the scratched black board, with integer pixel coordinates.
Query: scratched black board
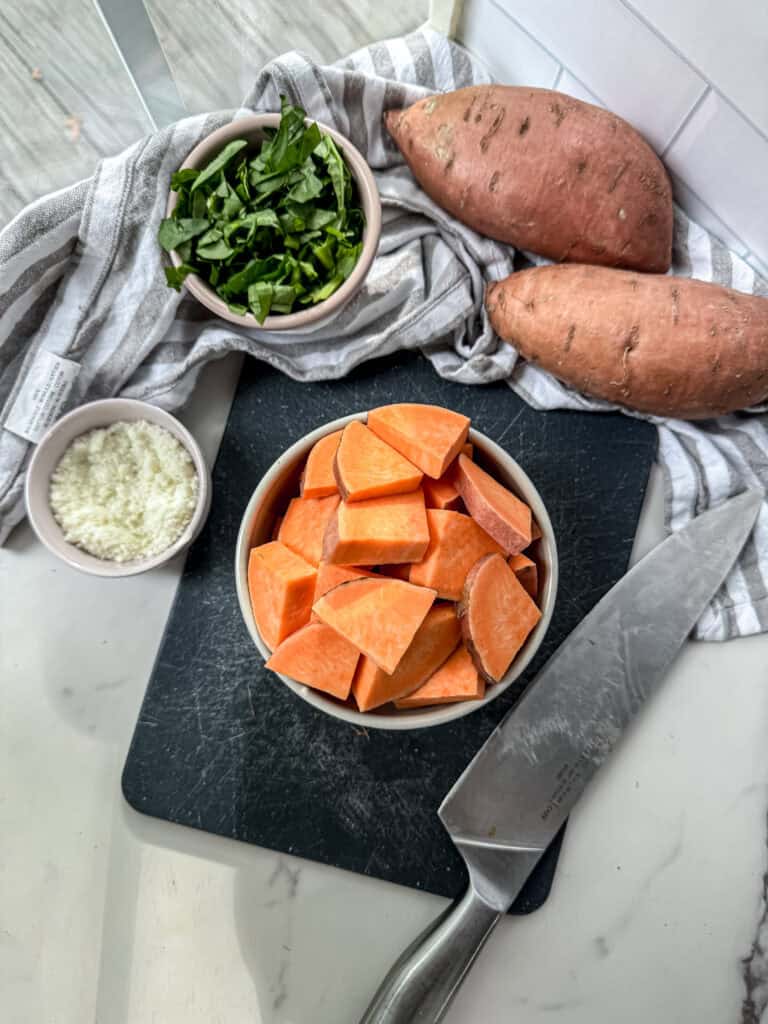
(222, 745)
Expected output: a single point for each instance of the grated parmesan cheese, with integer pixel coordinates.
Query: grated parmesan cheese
(125, 491)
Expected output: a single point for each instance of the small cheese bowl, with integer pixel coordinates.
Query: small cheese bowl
(281, 483)
(51, 448)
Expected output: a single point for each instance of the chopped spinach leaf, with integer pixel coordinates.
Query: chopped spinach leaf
(271, 230)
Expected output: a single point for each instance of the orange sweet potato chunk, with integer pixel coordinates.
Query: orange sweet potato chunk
(525, 570)
(492, 506)
(456, 679)
(397, 572)
(379, 616)
(379, 531)
(317, 656)
(330, 576)
(367, 467)
(427, 435)
(456, 542)
(303, 527)
(432, 644)
(281, 585)
(441, 493)
(468, 449)
(496, 616)
(318, 480)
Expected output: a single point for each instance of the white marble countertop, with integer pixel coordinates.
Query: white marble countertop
(655, 915)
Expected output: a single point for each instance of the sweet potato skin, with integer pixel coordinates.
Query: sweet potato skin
(666, 346)
(542, 171)
(496, 615)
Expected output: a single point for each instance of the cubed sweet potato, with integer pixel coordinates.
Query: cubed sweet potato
(492, 506)
(496, 616)
(318, 657)
(379, 616)
(281, 585)
(330, 576)
(526, 571)
(427, 435)
(317, 479)
(304, 524)
(456, 542)
(379, 531)
(457, 679)
(367, 467)
(432, 644)
(441, 493)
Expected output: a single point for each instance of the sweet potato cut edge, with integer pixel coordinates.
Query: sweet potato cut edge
(317, 479)
(457, 679)
(330, 576)
(379, 531)
(318, 657)
(441, 493)
(526, 571)
(427, 435)
(496, 616)
(456, 542)
(379, 616)
(436, 638)
(281, 585)
(367, 467)
(500, 512)
(304, 524)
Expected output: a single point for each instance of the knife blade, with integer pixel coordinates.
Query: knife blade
(515, 794)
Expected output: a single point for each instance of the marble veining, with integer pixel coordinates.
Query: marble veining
(755, 964)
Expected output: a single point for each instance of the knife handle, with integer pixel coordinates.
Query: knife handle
(421, 984)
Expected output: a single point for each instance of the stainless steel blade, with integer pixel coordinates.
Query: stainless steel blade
(518, 790)
(138, 47)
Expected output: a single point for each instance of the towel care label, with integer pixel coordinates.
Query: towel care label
(42, 395)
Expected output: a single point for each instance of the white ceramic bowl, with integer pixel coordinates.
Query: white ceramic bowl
(252, 128)
(280, 483)
(50, 450)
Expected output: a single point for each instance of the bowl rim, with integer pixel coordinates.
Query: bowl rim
(370, 201)
(414, 718)
(76, 557)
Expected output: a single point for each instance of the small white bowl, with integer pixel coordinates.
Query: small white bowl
(280, 483)
(253, 128)
(49, 451)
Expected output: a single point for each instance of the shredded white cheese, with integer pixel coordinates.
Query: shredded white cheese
(124, 492)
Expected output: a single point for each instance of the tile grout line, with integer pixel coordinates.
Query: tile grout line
(558, 76)
(503, 10)
(686, 118)
(627, 4)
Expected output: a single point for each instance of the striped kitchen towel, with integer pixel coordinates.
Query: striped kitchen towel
(85, 312)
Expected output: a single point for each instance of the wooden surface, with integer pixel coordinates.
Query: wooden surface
(67, 100)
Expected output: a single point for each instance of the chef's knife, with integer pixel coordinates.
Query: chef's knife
(518, 790)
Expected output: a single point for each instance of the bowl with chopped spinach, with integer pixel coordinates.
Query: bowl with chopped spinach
(273, 220)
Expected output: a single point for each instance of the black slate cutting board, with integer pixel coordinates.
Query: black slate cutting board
(222, 745)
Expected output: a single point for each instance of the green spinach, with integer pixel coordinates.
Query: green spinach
(270, 231)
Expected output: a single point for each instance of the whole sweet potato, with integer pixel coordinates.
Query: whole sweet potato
(664, 345)
(542, 171)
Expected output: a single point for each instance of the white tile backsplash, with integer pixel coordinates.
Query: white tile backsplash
(508, 52)
(571, 86)
(690, 75)
(723, 159)
(700, 212)
(617, 58)
(726, 41)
